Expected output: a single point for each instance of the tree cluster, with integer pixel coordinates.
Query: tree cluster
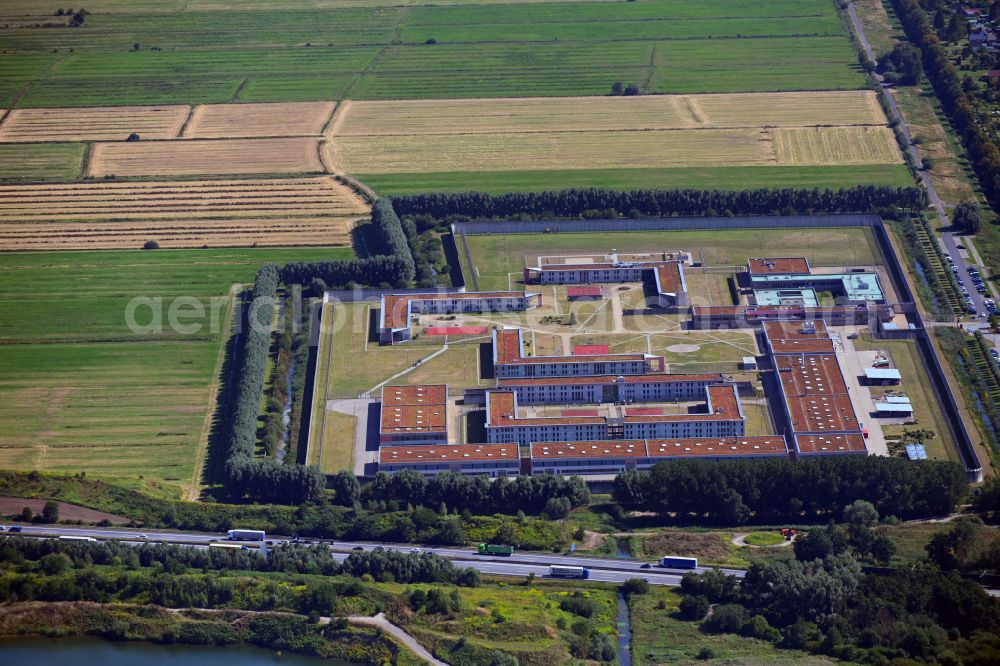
(594, 202)
(982, 148)
(730, 492)
(394, 566)
(530, 494)
(246, 476)
(901, 65)
(379, 271)
(829, 606)
(857, 535)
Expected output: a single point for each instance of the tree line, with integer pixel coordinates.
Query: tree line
(733, 492)
(246, 476)
(595, 202)
(944, 76)
(550, 494)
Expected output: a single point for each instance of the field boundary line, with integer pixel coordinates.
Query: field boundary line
(336, 119)
(192, 110)
(201, 453)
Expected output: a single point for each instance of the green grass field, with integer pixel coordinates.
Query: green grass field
(728, 178)
(494, 257)
(80, 391)
(41, 161)
(271, 52)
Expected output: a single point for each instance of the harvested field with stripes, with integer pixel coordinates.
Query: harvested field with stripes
(491, 116)
(836, 145)
(93, 123)
(223, 121)
(299, 211)
(199, 158)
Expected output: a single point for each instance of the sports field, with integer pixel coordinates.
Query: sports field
(498, 259)
(295, 211)
(161, 53)
(80, 391)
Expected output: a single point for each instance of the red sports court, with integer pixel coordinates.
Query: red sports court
(590, 350)
(456, 330)
(644, 411)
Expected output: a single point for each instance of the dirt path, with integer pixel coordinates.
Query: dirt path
(741, 540)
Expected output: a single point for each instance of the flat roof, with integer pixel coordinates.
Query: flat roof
(783, 330)
(460, 453)
(652, 378)
(418, 394)
(816, 374)
(802, 346)
(414, 409)
(882, 406)
(840, 443)
(660, 448)
(508, 351)
(882, 373)
(769, 265)
(856, 286)
(395, 307)
(790, 296)
(669, 274)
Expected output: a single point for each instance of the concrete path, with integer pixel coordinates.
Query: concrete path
(382, 624)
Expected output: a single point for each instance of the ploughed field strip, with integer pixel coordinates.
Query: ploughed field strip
(93, 124)
(197, 158)
(295, 211)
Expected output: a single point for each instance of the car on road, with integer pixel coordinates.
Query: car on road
(3, 528)
(416, 551)
(358, 548)
(144, 537)
(14, 528)
(646, 565)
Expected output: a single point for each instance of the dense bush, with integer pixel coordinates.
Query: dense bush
(781, 489)
(660, 203)
(392, 565)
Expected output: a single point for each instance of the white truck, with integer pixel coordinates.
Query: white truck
(246, 535)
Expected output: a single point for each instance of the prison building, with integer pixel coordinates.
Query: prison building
(814, 396)
(751, 316)
(610, 388)
(667, 277)
(509, 361)
(397, 310)
(723, 418)
(789, 281)
(614, 457)
(490, 460)
(414, 415)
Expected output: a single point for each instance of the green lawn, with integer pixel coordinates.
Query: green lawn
(496, 256)
(273, 52)
(734, 178)
(81, 391)
(40, 161)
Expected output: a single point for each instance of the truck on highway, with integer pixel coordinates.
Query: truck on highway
(66, 537)
(679, 562)
(560, 571)
(246, 535)
(495, 549)
(218, 545)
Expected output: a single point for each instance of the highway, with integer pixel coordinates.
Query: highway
(518, 564)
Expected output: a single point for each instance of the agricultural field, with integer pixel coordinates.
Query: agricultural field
(160, 53)
(300, 211)
(93, 124)
(41, 162)
(198, 158)
(678, 131)
(82, 391)
(499, 259)
(224, 121)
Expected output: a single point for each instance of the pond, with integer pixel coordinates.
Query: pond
(87, 651)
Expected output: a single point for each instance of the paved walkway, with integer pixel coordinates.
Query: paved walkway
(382, 624)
